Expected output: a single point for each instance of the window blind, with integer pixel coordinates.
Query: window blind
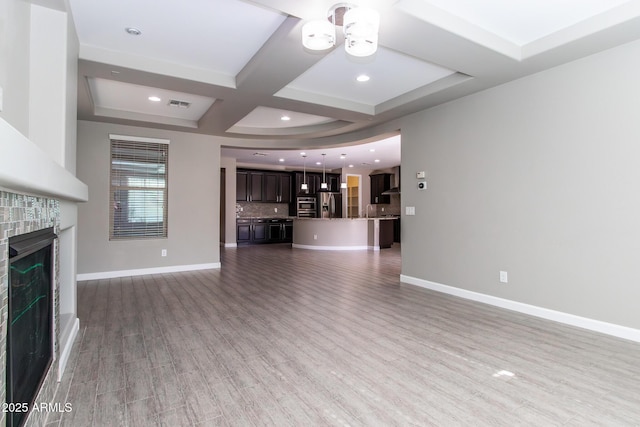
(138, 190)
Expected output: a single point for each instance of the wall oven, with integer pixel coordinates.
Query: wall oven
(306, 207)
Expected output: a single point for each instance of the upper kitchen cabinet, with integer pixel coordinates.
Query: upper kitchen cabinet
(333, 181)
(249, 186)
(380, 183)
(314, 181)
(277, 187)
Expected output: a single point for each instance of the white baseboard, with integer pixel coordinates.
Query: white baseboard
(331, 248)
(545, 313)
(230, 245)
(67, 345)
(143, 271)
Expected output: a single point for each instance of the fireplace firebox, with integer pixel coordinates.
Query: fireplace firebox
(30, 320)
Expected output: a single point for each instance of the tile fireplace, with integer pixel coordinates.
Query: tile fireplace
(22, 215)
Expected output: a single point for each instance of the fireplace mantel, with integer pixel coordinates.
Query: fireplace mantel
(25, 168)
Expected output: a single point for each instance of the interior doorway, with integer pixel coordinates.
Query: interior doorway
(354, 196)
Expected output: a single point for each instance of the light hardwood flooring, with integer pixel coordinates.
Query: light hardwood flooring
(282, 337)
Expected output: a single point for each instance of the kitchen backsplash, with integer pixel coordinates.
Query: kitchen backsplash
(261, 210)
(392, 208)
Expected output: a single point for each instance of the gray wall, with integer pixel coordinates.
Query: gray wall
(193, 209)
(539, 177)
(15, 23)
(229, 165)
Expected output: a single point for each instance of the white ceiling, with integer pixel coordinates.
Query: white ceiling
(380, 154)
(244, 64)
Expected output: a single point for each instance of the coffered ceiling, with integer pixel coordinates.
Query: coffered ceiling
(234, 68)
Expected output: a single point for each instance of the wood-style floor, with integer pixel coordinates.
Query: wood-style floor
(282, 337)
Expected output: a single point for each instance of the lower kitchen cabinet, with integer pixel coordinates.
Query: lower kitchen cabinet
(280, 230)
(264, 230)
(243, 230)
(386, 233)
(259, 231)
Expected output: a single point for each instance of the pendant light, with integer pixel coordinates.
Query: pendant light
(304, 186)
(323, 184)
(343, 185)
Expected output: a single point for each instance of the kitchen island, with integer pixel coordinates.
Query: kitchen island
(343, 234)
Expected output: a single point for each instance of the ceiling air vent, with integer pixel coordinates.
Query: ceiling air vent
(179, 104)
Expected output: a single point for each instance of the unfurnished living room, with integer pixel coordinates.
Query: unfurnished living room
(275, 212)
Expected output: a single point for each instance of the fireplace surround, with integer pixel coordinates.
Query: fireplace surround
(21, 214)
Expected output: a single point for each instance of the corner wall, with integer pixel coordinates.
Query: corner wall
(538, 177)
(193, 206)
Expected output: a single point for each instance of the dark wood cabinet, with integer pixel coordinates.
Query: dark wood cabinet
(386, 233)
(249, 186)
(379, 184)
(243, 234)
(280, 230)
(277, 187)
(314, 182)
(263, 186)
(396, 230)
(333, 181)
(285, 188)
(256, 192)
(264, 230)
(242, 186)
(259, 232)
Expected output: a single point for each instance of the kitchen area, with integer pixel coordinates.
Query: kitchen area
(342, 209)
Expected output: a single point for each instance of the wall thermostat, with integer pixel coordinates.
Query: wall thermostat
(422, 185)
(420, 175)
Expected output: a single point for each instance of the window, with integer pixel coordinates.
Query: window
(138, 195)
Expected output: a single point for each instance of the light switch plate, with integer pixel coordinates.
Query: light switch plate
(410, 210)
(420, 175)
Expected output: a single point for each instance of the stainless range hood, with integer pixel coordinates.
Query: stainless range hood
(396, 188)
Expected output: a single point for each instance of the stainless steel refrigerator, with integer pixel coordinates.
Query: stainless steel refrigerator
(329, 205)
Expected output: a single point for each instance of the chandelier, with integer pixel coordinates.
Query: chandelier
(360, 26)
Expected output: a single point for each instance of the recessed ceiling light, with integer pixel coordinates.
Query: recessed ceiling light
(350, 166)
(133, 31)
(318, 163)
(343, 157)
(281, 160)
(363, 78)
(285, 118)
(154, 99)
(372, 150)
(303, 154)
(377, 160)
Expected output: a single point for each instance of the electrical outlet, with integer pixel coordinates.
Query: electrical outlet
(315, 237)
(410, 210)
(164, 252)
(503, 277)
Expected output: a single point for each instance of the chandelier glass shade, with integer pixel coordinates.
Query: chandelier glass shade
(318, 35)
(360, 26)
(361, 31)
